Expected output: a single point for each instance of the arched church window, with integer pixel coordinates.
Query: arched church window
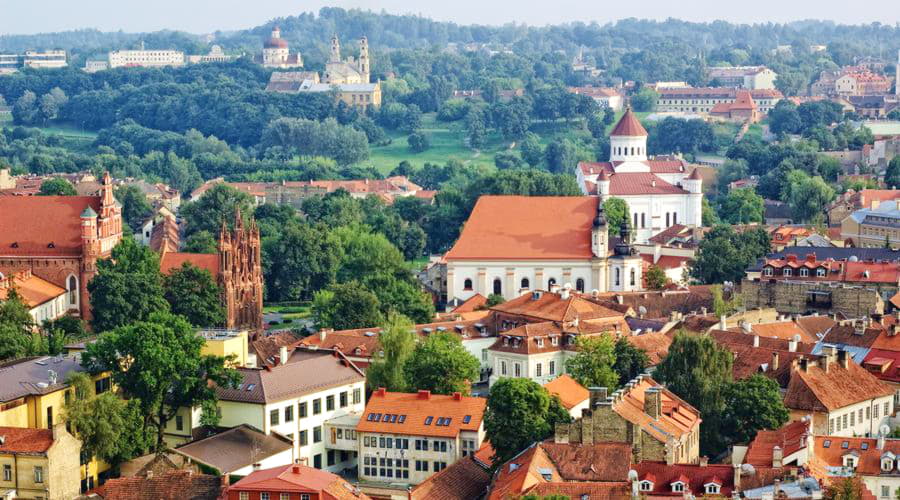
(73, 290)
(467, 284)
(525, 283)
(635, 217)
(674, 218)
(667, 219)
(643, 220)
(498, 287)
(579, 285)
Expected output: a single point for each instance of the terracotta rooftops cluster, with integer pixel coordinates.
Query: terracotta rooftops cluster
(24, 441)
(421, 413)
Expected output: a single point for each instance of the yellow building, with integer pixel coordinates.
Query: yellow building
(33, 392)
(39, 464)
(225, 343)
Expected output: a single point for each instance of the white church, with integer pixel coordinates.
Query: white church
(514, 244)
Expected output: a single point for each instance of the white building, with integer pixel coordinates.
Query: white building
(277, 54)
(745, 77)
(44, 300)
(145, 58)
(295, 398)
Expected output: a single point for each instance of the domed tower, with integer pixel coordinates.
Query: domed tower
(628, 144)
(275, 49)
(600, 233)
(364, 59)
(625, 265)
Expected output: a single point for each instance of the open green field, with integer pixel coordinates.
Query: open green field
(70, 132)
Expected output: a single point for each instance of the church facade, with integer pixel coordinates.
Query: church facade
(660, 192)
(237, 268)
(350, 71)
(60, 239)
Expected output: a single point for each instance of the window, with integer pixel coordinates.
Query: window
(50, 416)
(820, 272)
(768, 271)
(357, 396)
(289, 413)
(73, 290)
(303, 438)
(329, 403)
(643, 220)
(330, 458)
(244, 495)
(503, 368)
(7, 472)
(317, 406)
(302, 407)
(518, 369)
(787, 271)
(525, 283)
(343, 399)
(632, 277)
(317, 434)
(618, 280)
(101, 385)
(38, 474)
(885, 491)
(875, 411)
(179, 423)
(678, 487)
(579, 285)
(551, 282)
(804, 272)
(498, 287)
(273, 417)
(667, 219)
(317, 461)
(467, 284)
(712, 488)
(646, 486)
(552, 368)
(537, 370)
(635, 224)
(887, 408)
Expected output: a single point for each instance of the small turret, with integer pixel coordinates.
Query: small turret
(693, 183)
(335, 49)
(603, 181)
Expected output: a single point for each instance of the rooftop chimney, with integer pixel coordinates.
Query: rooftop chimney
(295, 469)
(723, 323)
(704, 461)
(804, 364)
(774, 364)
(844, 359)
(597, 395)
(457, 396)
(777, 456)
(756, 341)
(283, 355)
(256, 467)
(792, 345)
(653, 402)
(380, 392)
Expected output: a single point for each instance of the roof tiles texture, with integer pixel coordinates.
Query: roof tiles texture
(817, 389)
(235, 448)
(174, 484)
(629, 126)
(419, 414)
(23, 440)
(298, 479)
(464, 480)
(174, 260)
(32, 223)
(791, 438)
(569, 391)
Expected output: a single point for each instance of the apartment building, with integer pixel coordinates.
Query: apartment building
(39, 464)
(47, 59)
(145, 58)
(704, 99)
(406, 437)
(875, 227)
(745, 77)
(294, 398)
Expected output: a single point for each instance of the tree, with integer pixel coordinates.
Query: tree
(201, 242)
(17, 336)
(220, 204)
(741, 206)
(57, 186)
(158, 362)
(561, 156)
(442, 365)
(592, 365)
(51, 103)
(345, 306)
(301, 259)
(127, 287)
(846, 488)
(724, 255)
(397, 341)
(753, 404)
(25, 111)
(807, 196)
(193, 293)
(644, 100)
(476, 129)
(110, 428)
(494, 299)
(785, 119)
(532, 151)
(418, 142)
(617, 218)
(630, 361)
(698, 370)
(655, 277)
(135, 208)
(520, 412)
(892, 174)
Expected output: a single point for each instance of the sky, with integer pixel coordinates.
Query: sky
(204, 16)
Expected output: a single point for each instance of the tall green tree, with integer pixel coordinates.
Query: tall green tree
(193, 293)
(751, 405)
(135, 207)
(17, 336)
(218, 205)
(127, 288)
(630, 361)
(892, 174)
(397, 341)
(110, 428)
(442, 365)
(520, 412)
(616, 210)
(57, 186)
(158, 362)
(724, 255)
(299, 260)
(741, 206)
(698, 370)
(344, 306)
(592, 364)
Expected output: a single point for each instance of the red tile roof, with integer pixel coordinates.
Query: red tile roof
(695, 477)
(23, 440)
(174, 484)
(33, 290)
(816, 389)
(883, 364)
(869, 458)
(419, 414)
(657, 166)
(655, 344)
(174, 260)
(569, 391)
(523, 227)
(471, 304)
(29, 224)
(549, 306)
(791, 438)
(298, 479)
(464, 480)
(637, 183)
(677, 417)
(629, 126)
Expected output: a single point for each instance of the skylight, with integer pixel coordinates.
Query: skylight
(826, 444)
(467, 419)
(428, 420)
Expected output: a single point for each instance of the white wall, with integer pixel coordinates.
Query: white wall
(864, 426)
(284, 458)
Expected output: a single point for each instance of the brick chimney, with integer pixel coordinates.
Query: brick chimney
(457, 396)
(380, 392)
(653, 402)
(737, 477)
(704, 461)
(843, 358)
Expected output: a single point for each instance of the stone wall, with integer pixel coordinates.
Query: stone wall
(788, 297)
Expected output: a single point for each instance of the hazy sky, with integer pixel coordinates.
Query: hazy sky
(201, 16)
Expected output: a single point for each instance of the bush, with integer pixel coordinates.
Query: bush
(418, 142)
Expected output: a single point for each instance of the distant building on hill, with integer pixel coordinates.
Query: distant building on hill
(276, 52)
(154, 58)
(704, 99)
(744, 77)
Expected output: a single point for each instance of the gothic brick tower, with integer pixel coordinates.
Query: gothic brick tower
(241, 275)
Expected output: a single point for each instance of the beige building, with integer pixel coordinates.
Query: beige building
(745, 77)
(658, 424)
(45, 59)
(404, 438)
(874, 227)
(39, 464)
(350, 70)
(703, 100)
(145, 58)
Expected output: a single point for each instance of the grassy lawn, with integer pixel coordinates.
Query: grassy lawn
(417, 265)
(289, 315)
(446, 143)
(70, 132)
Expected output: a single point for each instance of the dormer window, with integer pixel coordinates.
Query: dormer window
(850, 461)
(712, 488)
(554, 340)
(540, 342)
(887, 464)
(787, 271)
(646, 485)
(678, 487)
(768, 271)
(821, 272)
(804, 272)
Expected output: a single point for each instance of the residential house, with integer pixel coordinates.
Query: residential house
(743, 109)
(573, 396)
(44, 300)
(861, 83)
(605, 97)
(653, 420)
(878, 226)
(293, 399)
(788, 234)
(240, 450)
(405, 438)
(39, 464)
(873, 460)
(297, 482)
(702, 100)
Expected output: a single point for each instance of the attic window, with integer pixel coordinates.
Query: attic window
(677, 487)
(864, 446)
(428, 420)
(401, 419)
(467, 419)
(250, 387)
(51, 245)
(646, 485)
(845, 445)
(826, 444)
(15, 244)
(712, 488)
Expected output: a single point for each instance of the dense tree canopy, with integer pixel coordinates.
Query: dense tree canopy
(520, 412)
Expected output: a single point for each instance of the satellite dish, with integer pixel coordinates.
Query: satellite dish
(642, 310)
(796, 338)
(885, 430)
(853, 258)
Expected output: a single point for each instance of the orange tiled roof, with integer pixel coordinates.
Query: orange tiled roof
(569, 391)
(464, 480)
(24, 440)
(527, 227)
(629, 126)
(869, 455)
(636, 183)
(174, 484)
(551, 306)
(421, 414)
(655, 344)
(30, 224)
(473, 303)
(297, 479)
(33, 290)
(174, 260)
(816, 389)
